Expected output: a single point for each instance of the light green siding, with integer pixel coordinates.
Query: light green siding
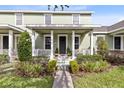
(33, 19)
(85, 19)
(61, 19)
(7, 18)
(109, 40)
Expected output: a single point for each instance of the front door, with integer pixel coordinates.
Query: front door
(62, 45)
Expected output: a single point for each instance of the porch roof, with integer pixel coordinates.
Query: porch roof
(61, 26)
(8, 26)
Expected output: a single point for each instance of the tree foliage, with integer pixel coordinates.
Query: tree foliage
(24, 47)
(102, 47)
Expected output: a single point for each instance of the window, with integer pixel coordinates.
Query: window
(47, 19)
(77, 42)
(75, 18)
(18, 18)
(5, 42)
(117, 42)
(47, 42)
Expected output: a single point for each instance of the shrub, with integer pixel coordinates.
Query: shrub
(97, 66)
(24, 47)
(74, 66)
(115, 59)
(102, 47)
(29, 69)
(3, 59)
(51, 66)
(83, 58)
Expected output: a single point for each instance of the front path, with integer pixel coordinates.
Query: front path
(62, 79)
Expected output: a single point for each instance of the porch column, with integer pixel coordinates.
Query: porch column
(10, 52)
(33, 43)
(73, 44)
(91, 43)
(51, 55)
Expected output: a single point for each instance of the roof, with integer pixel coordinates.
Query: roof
(53, 12)
(109, 29)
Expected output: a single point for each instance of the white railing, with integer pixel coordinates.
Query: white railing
(42, 52)
(83, 51)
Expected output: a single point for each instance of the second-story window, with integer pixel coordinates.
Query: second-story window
(47, 19)
(75, 18)
(19, 18)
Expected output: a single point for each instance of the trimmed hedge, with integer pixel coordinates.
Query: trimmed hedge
(74, 66)
(51, 66)
(24, 47)
(97, 66)
(83, 58)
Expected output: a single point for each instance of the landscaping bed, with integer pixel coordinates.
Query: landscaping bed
(114, 78)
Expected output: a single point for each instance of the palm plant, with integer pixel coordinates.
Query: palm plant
(56, 6)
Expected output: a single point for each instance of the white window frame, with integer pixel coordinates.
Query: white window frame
(59, 35)
(22, 19)
(121, 37)
(79, 40)
(48, 35)
(73, 18)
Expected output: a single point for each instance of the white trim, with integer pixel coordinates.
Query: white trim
(66, 40)
(22, 19)
(44, 41)
(33, 11)
(121, 37)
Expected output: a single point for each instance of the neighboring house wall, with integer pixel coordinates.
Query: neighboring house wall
(7, 18)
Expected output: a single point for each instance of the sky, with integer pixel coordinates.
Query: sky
(103, 14)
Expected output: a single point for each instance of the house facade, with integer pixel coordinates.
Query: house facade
(49, 31)
(52, 31)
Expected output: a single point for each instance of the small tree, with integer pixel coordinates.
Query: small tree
(24, 47)
(102, 47)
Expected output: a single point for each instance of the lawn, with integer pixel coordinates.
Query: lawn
(12, 81)
(109, 79)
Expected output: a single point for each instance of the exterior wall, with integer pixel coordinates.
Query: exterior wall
(85, 19)
(7, 18)
(33, 19)
(109, 40)
(61, 19)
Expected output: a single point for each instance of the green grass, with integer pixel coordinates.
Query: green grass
(111, 79)
(12, 81)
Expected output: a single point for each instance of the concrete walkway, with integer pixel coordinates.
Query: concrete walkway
(62, 80)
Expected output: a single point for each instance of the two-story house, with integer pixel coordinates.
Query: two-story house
(49, 31)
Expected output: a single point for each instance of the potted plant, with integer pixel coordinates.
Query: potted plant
(69, 52)
(56, 52)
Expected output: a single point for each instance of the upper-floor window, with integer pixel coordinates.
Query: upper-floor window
(19, 18)
(75, 18)
(47, 19)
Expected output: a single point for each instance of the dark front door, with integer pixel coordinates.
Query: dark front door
(62, 45)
